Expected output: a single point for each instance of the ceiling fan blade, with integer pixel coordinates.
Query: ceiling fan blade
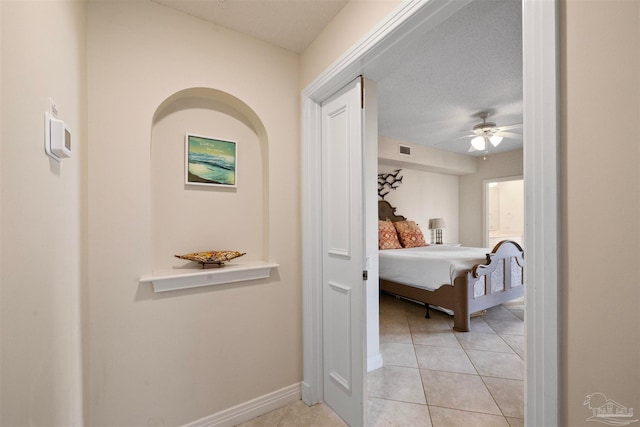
(509, 135)
(509, 127)
(466, 136)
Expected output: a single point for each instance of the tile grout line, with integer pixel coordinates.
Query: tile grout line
(424, 391)
(406, 317)
(478, 373)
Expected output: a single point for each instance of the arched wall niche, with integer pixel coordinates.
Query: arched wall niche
(188, 218)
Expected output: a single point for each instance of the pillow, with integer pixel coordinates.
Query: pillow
(387, 236)
(410, 234)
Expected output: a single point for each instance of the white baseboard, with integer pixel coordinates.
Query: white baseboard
(374, 362)
(249, 410)
(308, 394)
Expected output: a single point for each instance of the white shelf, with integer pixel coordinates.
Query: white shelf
(171, 280)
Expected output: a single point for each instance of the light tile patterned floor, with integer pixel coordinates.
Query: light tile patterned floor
(434, 377)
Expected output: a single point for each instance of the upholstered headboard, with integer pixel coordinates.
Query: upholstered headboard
(388, 212)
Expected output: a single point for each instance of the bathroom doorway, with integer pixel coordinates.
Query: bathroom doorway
(503, 210)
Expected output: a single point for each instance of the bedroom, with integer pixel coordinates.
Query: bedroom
(422, 130)
(424, 354)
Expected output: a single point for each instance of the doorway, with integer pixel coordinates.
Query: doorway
(503, 211)
(541, 207)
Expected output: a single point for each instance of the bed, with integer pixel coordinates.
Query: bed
(460, 279)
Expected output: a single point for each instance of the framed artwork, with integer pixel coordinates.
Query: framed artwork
(210, 161)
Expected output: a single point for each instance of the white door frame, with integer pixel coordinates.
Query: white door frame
(540, 75)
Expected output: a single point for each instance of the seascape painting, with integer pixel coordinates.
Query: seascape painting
(210, 161)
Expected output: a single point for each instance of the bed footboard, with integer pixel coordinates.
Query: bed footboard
(500, 280)
(488, 285)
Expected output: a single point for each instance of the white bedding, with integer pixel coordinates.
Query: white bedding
(428, 267)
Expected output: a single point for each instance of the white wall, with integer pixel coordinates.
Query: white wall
(511, 207)
(424, 158)
(505, 211)
(176, 357)
(498, 165)
(458, 199)
(43, 55)
(424, 195)
(505, 206)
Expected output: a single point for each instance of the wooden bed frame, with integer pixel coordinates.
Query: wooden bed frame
(504, 268)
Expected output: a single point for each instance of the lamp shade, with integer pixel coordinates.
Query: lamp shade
(436, 223)
(478, 143)
(495, 140)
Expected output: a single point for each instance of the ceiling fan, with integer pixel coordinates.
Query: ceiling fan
(487, 132)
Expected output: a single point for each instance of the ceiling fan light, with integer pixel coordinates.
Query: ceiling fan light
(495, 140)
(478, 143)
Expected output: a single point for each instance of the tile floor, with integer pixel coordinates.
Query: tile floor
(433, 376)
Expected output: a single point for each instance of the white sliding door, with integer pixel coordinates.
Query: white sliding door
(343, 285)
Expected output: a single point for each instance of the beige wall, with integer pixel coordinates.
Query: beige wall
(159, 359)
(347, 28)
(600, 152)
(173, 358)
(471, 192)
(213, 215)
(43, 55)
(1, 259)
(424, 195)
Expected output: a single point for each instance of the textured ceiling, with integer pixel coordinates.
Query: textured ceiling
(291, 24)
(431, 86)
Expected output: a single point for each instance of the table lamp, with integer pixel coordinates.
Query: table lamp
(437, 224)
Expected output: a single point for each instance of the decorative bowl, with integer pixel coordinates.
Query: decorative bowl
(214, 258)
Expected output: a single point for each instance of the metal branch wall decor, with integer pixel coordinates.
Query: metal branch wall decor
(388, 182)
